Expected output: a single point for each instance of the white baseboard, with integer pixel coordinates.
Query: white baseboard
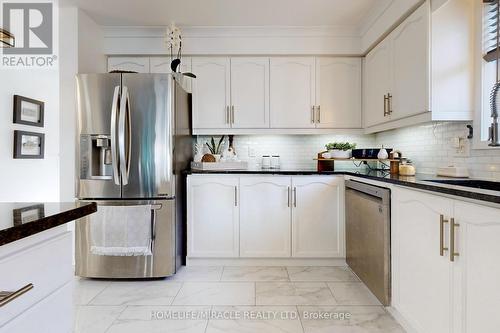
(400, 319)
(265, 262)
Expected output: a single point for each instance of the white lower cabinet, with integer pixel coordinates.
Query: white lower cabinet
(478, 238)
(445, 293)
(213, 217)
(265, 216)
(278, 216)
(421, 277)
(317, 217)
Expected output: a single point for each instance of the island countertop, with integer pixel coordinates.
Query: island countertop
(21, 220)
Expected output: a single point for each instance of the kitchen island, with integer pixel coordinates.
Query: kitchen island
(36, 265)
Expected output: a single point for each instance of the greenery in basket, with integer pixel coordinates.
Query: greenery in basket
(340, 146)
(215, 149)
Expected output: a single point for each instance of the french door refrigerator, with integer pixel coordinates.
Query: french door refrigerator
(133, 142)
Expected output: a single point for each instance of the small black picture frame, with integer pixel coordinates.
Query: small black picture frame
(28, 214)
(29, 145)
(28, 111)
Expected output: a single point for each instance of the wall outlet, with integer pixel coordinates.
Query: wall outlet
(251, 152)
(461, 147)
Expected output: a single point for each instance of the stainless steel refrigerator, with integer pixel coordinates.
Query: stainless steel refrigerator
(134, 141)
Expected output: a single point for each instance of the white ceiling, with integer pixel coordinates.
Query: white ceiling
(228, 12)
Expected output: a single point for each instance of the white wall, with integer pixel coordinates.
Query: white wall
(29, 180)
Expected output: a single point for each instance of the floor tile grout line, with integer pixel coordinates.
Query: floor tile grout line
(108, 284)
(300, 319)
(178, 291)
(115, 319)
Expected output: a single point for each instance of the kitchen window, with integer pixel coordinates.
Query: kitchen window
(488, 48)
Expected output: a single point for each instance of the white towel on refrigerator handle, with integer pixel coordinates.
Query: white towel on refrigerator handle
(121, 231)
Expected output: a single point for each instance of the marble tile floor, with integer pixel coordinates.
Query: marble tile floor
(233, 299)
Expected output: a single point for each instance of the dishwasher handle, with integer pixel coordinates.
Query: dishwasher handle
(375, 191)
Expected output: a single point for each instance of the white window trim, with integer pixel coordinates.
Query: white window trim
(479, 66)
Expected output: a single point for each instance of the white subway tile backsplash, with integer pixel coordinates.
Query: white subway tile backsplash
(429, 146)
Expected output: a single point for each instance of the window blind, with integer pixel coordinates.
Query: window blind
(490, 30)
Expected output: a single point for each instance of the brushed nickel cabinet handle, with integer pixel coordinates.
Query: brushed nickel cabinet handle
(389, 102)
(385, 105)
(9, 296)
(442, 221)
(319, 114)
(288, 195)
(313, 109)
(294, 196)
(228, 117)
(232, 114)
(236, 196)
(453, 225)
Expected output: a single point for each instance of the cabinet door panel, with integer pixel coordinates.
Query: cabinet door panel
(478, 246)
(317, 217)
(162, 65)
(211, 92)
(377, 83)
(338, 92)
(213, 226)
(410, 63)
(250, 92)
(292, 92)
(132, 64)
(265, 216)
(421, 278)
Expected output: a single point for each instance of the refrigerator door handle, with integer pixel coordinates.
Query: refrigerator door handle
(114, 159)
(124, 135)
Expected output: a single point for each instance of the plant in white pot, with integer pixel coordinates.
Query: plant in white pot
(215, 149)
(340, 149)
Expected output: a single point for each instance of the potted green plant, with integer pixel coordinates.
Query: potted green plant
(340, 149)
(215, 149)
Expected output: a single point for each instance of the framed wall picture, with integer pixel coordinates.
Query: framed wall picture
(28, 111)
(28, 214)
(29, 145)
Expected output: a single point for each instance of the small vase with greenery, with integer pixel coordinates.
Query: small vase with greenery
(340, 149)
(215, 149)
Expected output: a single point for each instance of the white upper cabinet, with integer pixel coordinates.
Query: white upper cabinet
(131, 64)
(211, 92)
(410, 64)
(292, 92)
(377, 84)
(213, 217)
(162, 65)
(338, 92)
(317, 217)
(400, 79)
(249, 92)
(265, 216)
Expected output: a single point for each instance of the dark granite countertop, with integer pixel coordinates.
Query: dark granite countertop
(20, 220)
(419, 181)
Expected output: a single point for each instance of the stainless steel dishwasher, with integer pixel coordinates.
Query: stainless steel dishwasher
(368, 239)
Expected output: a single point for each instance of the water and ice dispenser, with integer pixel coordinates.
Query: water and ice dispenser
(96, 157)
